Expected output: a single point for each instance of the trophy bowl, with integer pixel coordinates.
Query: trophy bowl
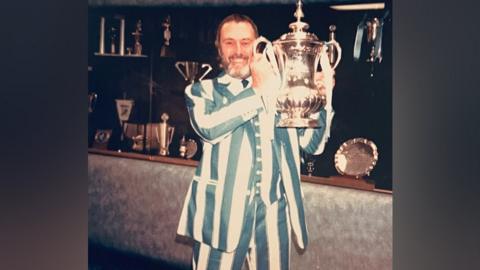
(297, 105)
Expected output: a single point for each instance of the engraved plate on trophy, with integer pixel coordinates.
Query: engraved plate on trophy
(124, 109)
(192, 69)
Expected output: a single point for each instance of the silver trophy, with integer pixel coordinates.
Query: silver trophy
(192, 69)
(296, 57)
(137, 49)
(166, 50)
(374, 35)
(164, 135)
(188, 148)
(374, 28)
(92, 98)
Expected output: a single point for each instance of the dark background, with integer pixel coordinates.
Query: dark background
(362, 103)
(43, 170)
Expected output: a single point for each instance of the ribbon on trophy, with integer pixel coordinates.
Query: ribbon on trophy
(374, 28)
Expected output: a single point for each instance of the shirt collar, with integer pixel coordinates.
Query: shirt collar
(233, 85)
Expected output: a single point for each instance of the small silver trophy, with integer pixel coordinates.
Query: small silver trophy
(92, 98)
(374, 35)
(183, 146)
(192, 69)
(164, 135)
(113, 38)
(310, 167)
(101, 45)
(188, 148)
(309, 162)
(137, 48)
(166, 50)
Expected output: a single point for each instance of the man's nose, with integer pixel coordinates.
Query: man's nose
(238, 48)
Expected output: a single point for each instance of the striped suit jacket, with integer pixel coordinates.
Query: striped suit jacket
(214, 207)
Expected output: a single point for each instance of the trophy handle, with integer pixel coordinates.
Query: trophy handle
(209, 68)
(177, 65)
(334, 44)
(329, 72)
(268, 52)
(171, 130)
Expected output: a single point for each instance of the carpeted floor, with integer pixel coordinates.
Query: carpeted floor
(103, 258)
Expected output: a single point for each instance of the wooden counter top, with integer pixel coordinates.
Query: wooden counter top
(339, 181)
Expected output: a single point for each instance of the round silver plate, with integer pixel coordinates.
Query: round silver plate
(356, 157)
(191, 147)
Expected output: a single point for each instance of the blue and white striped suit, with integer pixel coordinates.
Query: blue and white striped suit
(226, 116)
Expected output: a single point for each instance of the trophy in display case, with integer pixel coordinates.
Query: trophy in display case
(356, 158)
(92, 99)
(308, 162)
(137, 48)
(374, 27)
(374, 37)
(166, 50)
(102, 138)
(113, 40)
(296, 57)
(192, 69)
(164, 135)
(141, 137)
(188, 148)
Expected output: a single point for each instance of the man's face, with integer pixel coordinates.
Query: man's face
(235, 48)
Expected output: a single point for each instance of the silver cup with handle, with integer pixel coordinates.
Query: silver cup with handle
(192, 69)
(296, 57)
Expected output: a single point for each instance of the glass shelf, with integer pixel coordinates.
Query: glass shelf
(118, 55)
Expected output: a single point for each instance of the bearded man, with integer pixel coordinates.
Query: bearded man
(245, 198)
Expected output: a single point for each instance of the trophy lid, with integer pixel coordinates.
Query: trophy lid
(299, 28)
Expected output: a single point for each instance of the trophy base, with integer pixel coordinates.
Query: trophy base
(298, 122)
(163, 152)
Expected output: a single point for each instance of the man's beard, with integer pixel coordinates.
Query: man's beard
(232, 69)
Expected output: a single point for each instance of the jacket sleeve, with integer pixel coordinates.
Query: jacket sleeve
(313, 140)
(213, 122)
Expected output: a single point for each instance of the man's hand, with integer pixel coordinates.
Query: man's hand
(264, 77)
(321, 81)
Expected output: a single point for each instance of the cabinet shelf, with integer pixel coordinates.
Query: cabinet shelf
(118, 55)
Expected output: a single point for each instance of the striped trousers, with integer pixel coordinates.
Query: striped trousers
(264, 243)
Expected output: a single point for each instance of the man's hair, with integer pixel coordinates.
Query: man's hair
(235, 18)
